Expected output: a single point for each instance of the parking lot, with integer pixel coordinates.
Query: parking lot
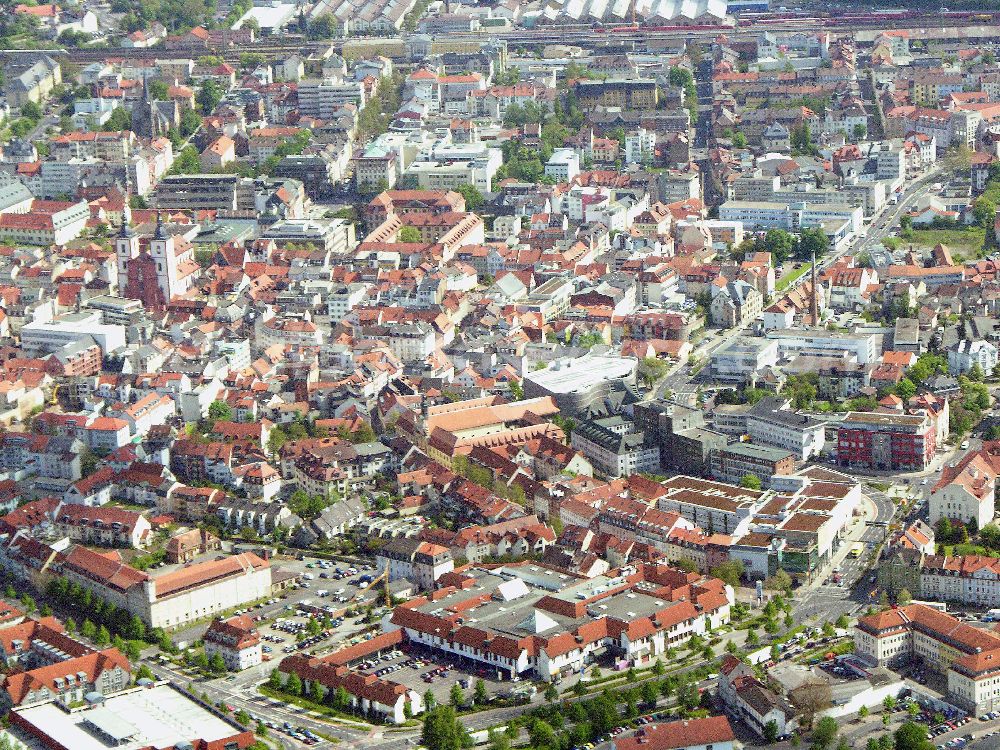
(423, 670)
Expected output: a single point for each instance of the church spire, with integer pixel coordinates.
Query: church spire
(125, 230)
(160, 233)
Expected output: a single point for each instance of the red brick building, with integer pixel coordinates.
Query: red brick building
(876, 440)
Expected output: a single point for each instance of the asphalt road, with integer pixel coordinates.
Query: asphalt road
(829, 600)
(890, 217)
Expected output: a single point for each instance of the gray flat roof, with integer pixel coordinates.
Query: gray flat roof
(160, 716)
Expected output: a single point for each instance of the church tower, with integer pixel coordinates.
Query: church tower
(126, 247)
(138, 275)
(161, 248)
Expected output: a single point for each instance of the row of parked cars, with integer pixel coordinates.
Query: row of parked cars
(949, 725)
(956, 742)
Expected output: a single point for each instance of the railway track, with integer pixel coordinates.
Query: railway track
(595, 36)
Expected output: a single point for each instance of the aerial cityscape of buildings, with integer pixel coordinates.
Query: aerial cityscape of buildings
(561, 375)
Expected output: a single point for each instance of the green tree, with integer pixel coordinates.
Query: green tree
(409, 234)
(32, 111)
(217, 664)
(904, 597)
(651, 370)
(984, 212)
(780, 581)
(731, 572)
(324, 27)
(812, 241)
(103, 638)
(220, 410)
(801, 140)
(771, 732)
(479, 694)
(187, 161)
(316, 691)
(158, 90)
(750, 482)
(906, 389)
(474, 200)
(190, 122)
(456, 697)
(911, 736)
(780, 244)
(120, 119)
(429, 700)
(242, 718)
(943, 531)
(650, 693)
(863, 712)
(542, 735)
(442, 730)
(825, 733)
(739, 140)
(209, 96)
(293, 685)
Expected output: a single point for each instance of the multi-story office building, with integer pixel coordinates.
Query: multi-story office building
(894, 442)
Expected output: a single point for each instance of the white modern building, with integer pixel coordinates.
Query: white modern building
(563, 165)
(49, 336)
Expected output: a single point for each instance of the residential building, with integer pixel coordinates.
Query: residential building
(963, 355)
(563, 165)
(68, 681)
(421, 563)
(736, 361)
(966, 490)
(967, 657)
(736, 304)
(103, 526)
(713, 506)
(772, 423)
(175, 598)
(733, 462)
(615, 448)
(709, 733)
(236, 640)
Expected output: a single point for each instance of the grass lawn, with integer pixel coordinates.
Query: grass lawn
(965, 549)
(784, 282)
(965, 241)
